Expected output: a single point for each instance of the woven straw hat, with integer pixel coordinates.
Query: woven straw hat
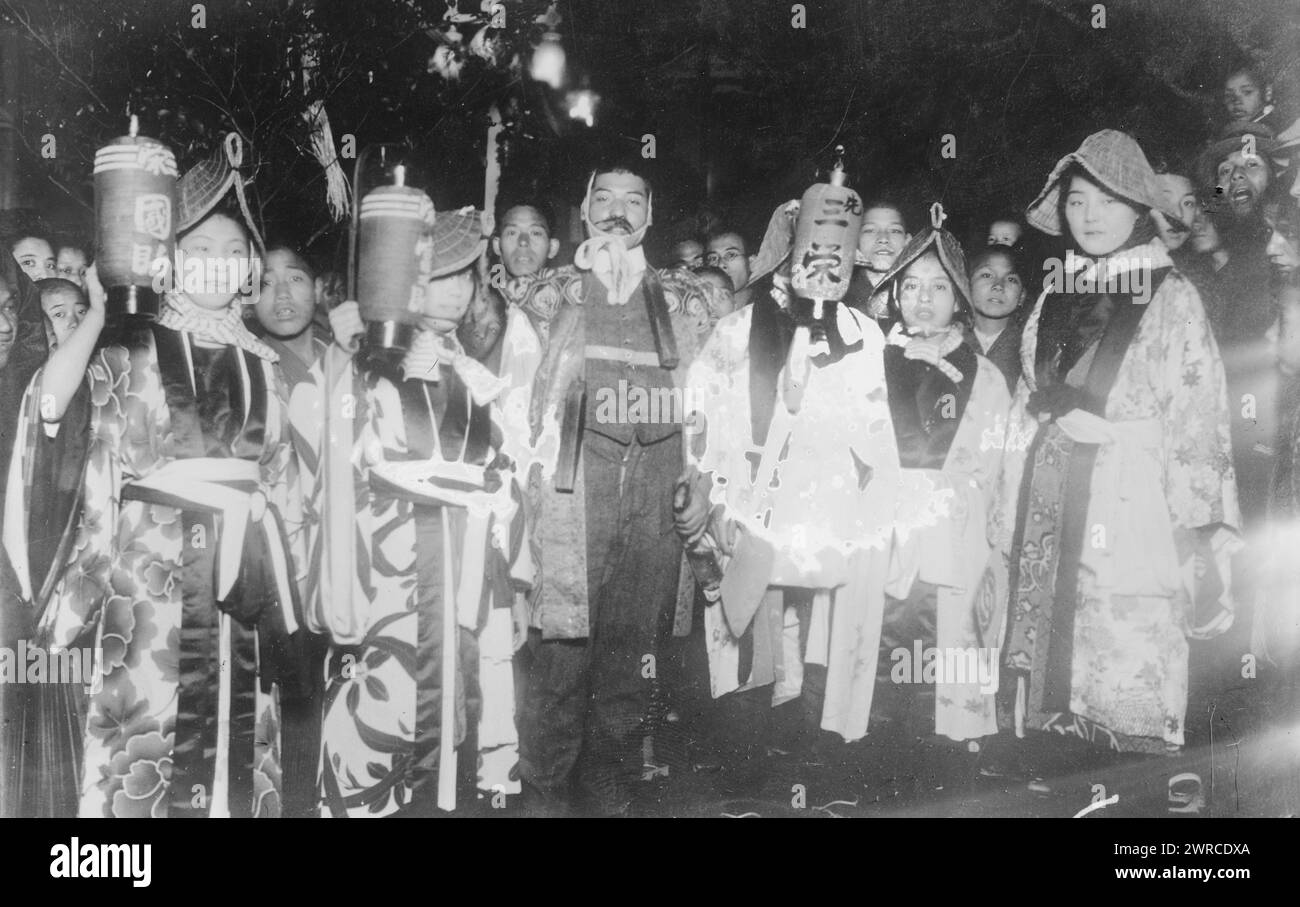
(459, 239)
(950, 255)
(208, 181)
(1116, 161)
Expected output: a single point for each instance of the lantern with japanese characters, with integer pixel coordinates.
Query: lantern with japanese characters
(395, 247)
(135, 222)
(826, 238)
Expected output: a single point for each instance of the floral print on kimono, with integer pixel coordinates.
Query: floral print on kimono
(125, 578)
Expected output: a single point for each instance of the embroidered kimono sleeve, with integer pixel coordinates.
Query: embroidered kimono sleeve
(1200, 486)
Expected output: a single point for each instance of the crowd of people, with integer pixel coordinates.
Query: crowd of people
(1039, 487)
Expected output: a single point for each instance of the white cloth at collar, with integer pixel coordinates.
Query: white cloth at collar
(225, 328)
(986, 341)
(428, 350)
(898, 336)
(617, 267)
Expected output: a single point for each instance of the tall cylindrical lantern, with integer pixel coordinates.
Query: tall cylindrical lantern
(821, 265)
(825, 239)
(135, 222)
(395, 230)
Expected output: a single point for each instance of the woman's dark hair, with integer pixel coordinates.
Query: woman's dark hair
(1144, 230)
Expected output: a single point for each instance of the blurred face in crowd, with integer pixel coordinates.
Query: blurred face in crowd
(1243, 179)
(446, 300)
(71, 264)
(8, 319)
(1205, 235)
(926, 297)
(1004, 233)
(221, 244)
(1283, 247)
(723, 302)
(727, 251)
(1285, 334)
(1180, 199)
(882, 238)
(35, 257)
(524, 243)
(1100, 222)
(996, 289)
(689, 253)
(1243, 97)
(287, 299)
(620, 203)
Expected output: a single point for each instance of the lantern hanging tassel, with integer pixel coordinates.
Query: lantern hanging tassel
(337, 195)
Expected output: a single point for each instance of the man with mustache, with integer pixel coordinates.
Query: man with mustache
(610, 564)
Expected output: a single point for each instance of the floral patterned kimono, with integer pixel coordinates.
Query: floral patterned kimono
(950, 437)
(182, 569)
(1102, 509)
(436, 541)
(814, 491)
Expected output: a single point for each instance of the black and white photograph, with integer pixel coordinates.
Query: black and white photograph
(651, 409)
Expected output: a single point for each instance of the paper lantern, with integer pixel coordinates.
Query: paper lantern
(395, 234)
(135, 223)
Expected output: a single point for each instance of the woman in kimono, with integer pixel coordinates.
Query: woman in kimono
(182, 565)
(430, 546)
(1119, 506)
(949, 406)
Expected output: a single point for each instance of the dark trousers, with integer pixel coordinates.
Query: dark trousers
(585, 703)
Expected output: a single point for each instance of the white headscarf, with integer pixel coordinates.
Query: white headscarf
(618, 261)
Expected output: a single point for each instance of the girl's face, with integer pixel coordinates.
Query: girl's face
(446, 300)
(35, 257)
(221, 244)
(1099, 221)
(996, 290)
(287, 300)
(64, 312)
(1205, 235)
(926, 296)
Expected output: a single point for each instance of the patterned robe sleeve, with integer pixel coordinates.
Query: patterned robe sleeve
(1200, 485)
(80, 596)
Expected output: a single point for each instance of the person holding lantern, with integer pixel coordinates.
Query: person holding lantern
(434, 541)
(183, 572)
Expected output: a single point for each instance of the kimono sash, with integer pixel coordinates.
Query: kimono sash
(1053, 647)
(220, 660)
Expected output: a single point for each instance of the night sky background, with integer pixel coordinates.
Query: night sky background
(745, 109)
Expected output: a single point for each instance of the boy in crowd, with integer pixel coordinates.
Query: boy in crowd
(884, 233)
(71, 261)
(728, 251)
(997, 291)
(524, 247)
(1005, 231)
(688, 254)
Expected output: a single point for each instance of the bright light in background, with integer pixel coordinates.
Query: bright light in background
(582, 106)
(548, 61)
